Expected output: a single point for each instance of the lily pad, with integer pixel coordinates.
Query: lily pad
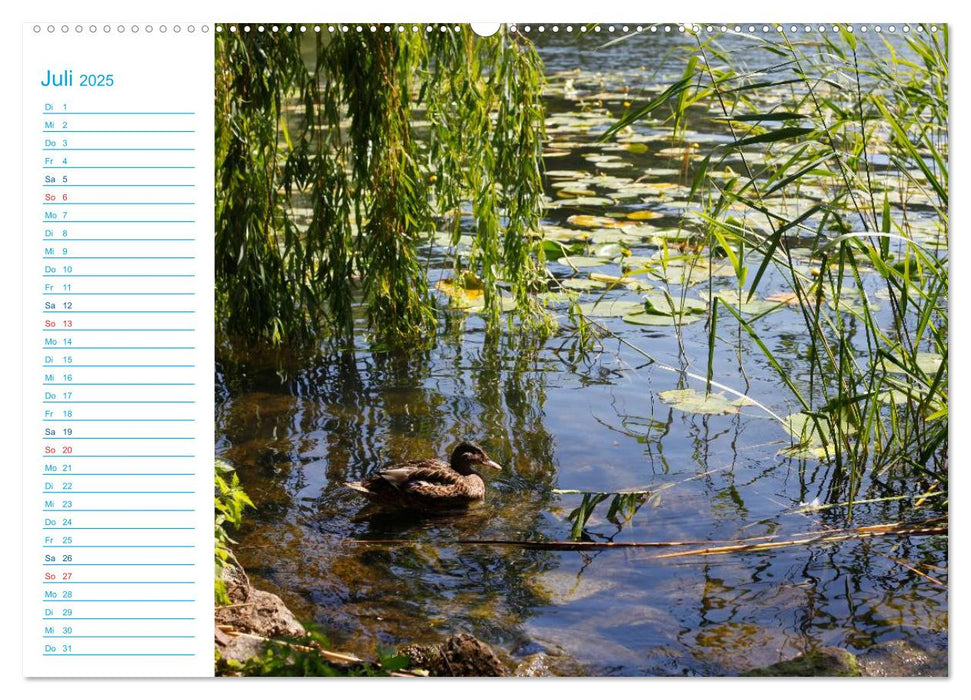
(461, 297)
(660, 303)
(610, 251)
(893, 396)
(787, 298)
(928, 362)
(506, 303)
(589, 221)
(674, 234)
(570, 174)
(678, 274)
(660, 172)
(641, 231)
(471, 298)
(557, 297)
(610, 308)
(564, 235)
(613, 235)
(573, 191)
(585, 202)
(739, 301)
(631, 283)
(644, 215)
(691, 401)
(638, 262)
(811, 435)
(680, 152)
(578, 261)
(615, 164)
(581, 284)
(600, 158)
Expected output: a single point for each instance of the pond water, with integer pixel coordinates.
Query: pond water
(296, 426)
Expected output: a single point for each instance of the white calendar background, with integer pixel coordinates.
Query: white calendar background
(118, 364)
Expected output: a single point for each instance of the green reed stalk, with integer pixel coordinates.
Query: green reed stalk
(871, 385)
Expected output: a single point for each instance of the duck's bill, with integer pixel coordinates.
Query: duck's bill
(493, 465)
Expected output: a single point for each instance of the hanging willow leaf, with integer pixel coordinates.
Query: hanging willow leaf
(330, 119)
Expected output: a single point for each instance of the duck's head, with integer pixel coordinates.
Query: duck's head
(467, 456)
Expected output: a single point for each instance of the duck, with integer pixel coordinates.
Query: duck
(430, 484)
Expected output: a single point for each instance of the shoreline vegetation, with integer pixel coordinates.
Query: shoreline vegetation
(825, 195)
(256, 634)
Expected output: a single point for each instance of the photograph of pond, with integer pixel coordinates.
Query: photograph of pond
(582, 350)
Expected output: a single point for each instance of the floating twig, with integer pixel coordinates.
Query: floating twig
(934, 526)
(916, 571)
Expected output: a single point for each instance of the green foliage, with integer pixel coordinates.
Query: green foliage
(302, 657)
(866, 401)
(389, 135)
(230, 501)
(622, 509)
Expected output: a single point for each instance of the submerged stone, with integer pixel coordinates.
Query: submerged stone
(827, 661)
(461, 655)
(901, 657)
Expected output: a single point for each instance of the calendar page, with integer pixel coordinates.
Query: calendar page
(521, 349)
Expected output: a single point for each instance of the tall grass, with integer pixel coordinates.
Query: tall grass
(840, 194)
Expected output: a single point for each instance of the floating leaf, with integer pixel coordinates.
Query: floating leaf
(687, 153)
(585, 202)
(637, 262)
(589, 221)
(631, 283)
(570, 174)
(564, 235)
(557, 297)
(600, 157)
(460, 297)
(615, 164)
(644, 215)
(787, 298)
(928, 362)
(610, 251)
(691, 401)
(893, 396)
(811, 434)
(739, 301)
(582, 284)
(667, 305)
(610, 308)
(573, 191)
(613, 235)
(744, 401)
(582, 261)
(506, 303)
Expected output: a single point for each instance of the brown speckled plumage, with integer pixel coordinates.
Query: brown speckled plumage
(430, 483)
